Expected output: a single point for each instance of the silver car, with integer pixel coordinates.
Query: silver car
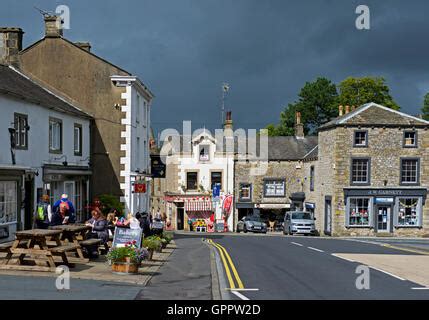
(299, 222)
(252, 224)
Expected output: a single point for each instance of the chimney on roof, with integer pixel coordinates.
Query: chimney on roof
(340, 111)
(84, 45)
(228, 121)
(53, 26)
(10, 45)
(299, 127)
(347, 109)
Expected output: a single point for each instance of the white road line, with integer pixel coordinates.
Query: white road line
(388, 273)
(420, 288)
(297, 244)
(318, 250)
(238, 294)
(337, 256)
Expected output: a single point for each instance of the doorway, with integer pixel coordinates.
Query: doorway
(383, 218)
(29, 203)
(180, 218)
(328, 216)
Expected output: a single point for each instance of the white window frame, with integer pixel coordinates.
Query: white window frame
(370, 213)
(419, 214)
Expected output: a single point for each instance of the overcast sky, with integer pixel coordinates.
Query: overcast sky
(183, 50)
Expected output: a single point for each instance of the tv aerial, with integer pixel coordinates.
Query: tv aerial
(45, 13)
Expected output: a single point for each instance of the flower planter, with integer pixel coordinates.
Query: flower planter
(125, 267)
(150, 254)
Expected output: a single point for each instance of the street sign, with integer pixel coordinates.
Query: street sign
(157, 166)
(216, 190)
(139, 187)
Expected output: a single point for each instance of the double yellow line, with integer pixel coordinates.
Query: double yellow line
(228, 265)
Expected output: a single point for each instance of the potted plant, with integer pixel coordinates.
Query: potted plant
(152, 244)
(127, 259)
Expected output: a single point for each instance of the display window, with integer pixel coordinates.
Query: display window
(359, 212)
(408, 212)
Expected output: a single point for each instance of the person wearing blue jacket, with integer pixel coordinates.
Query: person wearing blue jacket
(71, 211)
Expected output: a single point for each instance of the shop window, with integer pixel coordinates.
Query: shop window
(360, 171)
(274, 188)
(408, 212)
(21, 131)
(204, 153)
(359, 211)
(410, 139)
(409, 171)
(192, 180)
(245, 192)
(8, 202)
(216, 178)
(55, 135)
(360, 139)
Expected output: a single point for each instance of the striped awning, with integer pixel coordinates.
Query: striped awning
(198, 204)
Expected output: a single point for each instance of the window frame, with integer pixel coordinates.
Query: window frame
(16, 121)
(354, 139)
(60, 150)
(78, 126)
(417, 183)
(240, 186)
(211, 178)
(196, 181)
(370, 212)
(419, 214)
(266, 180)
(368, 182)
(415, 145)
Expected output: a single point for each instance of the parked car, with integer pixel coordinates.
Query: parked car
(299, 222)
(252, 224)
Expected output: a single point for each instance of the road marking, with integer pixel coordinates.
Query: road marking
(297, 244)
(420, 288)
(238, 294)
(388, 273)
(225, 253)
(404, 249)
(337, 256)
(225, 265)
(245, 289)
(315, 249)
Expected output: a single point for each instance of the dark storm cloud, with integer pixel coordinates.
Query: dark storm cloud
(266, 50)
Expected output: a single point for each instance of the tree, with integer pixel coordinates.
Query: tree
(318, 101)
(425, 109)
(358, 91)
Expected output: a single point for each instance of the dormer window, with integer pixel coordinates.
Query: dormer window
(204, 153)
(410, 139)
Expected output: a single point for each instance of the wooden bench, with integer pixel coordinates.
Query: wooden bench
(64, 248)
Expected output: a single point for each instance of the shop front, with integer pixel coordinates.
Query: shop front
(385, 210)
(273, 214)
(73, 181)
(199, 214)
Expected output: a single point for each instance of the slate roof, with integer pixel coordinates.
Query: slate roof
(16, 84)
(372, 114)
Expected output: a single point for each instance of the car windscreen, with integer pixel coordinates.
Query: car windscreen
(301, 215)
(257, 219)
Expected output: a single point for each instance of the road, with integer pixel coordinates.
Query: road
(297, 267)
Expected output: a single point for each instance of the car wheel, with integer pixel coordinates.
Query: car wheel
(290, 232)
(245, 229)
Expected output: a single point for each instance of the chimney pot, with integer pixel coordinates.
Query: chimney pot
(53, 27)
(299, 127)
(340, 110)
(347, 109)
(228, 120)
(84, 45)
(10, 45)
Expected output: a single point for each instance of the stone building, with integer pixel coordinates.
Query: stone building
(372, 174)
(286, 182)
(119, 102)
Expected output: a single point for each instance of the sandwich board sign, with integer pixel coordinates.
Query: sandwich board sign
(124, 235)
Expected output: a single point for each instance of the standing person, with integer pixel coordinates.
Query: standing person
(71, 211)
(43, 214)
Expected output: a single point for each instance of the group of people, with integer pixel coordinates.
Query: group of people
(62, 212)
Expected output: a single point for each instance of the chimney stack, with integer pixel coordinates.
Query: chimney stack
(299, 127)
(10, 45)
(53, 27)
(228, 121)
(84, 45)
(347, 109)
(340, 111)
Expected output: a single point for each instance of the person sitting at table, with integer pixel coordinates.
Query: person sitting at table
(61, 215)
(99, 230)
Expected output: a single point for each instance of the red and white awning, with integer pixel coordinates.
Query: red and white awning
(198, 204)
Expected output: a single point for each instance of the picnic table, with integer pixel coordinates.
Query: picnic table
(36, 247)
(71, 233)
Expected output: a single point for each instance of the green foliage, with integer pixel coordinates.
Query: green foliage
(152, 243)
(167, 236)
(119, 254)
(425, 109)
(358, 91)
(108, 202)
